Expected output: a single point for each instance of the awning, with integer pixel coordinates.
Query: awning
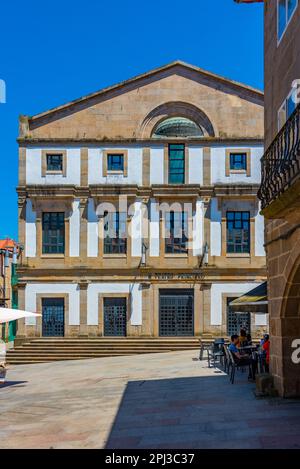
(7, 314)
(254, 301)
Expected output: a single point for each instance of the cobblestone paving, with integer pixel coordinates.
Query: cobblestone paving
(148, 401)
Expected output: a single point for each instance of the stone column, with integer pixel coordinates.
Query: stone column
(84, 166)
(21, 330)
(206, 166)
(83, 328)
(206, 307)
(83, 229)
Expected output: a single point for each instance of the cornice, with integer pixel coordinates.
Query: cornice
(133, 191)
(257, 140)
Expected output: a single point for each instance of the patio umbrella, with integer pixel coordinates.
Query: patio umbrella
(7, 314)
(254, 301)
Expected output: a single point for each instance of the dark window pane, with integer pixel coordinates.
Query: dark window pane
(53, 229)
(282, 17)
(291, 7)
(115, 162)
(176, 164)
(291, 105)
(238, 232)
(54, 162)
(238, 161)
(176, 232)
(115, 233)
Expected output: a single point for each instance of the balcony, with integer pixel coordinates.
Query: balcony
(281, 166)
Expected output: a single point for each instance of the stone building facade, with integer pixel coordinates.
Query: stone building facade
(105, 255)
(280, 189)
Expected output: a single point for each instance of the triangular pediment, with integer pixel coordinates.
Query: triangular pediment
(120, 111)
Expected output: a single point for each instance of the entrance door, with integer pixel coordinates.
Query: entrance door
(176, 313)
(53, 317)
(115, 317)
(236, 321)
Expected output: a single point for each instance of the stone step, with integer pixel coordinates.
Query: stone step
(113, 340)
(106, 345)
(92, 350)
(43, 350)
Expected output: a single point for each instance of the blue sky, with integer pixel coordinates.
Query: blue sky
(54, 52)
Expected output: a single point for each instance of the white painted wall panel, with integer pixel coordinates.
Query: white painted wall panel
(75, 229)
(154, 229)
(198, 229)
(34, 167)
(259, 234)
(30, 231)
(157, 165)
(215, 228)
(32, 289)
(136, 230)
(195, 165)
(218, 166)
(135, 166)
(217, 289)
(261, 319)
(92, 230)
(93, 301)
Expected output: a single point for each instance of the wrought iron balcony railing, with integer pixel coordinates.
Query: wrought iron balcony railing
(281, 161)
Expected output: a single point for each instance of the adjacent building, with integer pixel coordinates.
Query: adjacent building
(280, 189)
(10, 253)
(138, 208)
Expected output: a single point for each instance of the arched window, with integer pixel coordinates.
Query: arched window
(177, 127)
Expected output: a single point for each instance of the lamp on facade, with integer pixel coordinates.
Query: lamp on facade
(144, 252)
(204, 257)
(205, 254)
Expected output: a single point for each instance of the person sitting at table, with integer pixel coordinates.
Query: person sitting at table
(242, 360)
(262, 341)
(243, 338)
(266, 348)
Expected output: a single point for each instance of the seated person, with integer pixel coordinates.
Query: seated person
(243, 338)
(261, 343)
(249, 339)
(266, 348)
(242, 360)
(2, 362)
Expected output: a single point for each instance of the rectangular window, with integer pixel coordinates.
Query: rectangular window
(176, 163)
(285, 11)
(54, 162)
(53, 228)
(287, 108)
(238, 232)
(115, 233)
(115, 162)
(238, 161)
(176, 232)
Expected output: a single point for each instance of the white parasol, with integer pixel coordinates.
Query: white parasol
(7, 314)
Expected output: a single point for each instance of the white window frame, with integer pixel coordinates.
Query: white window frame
(284, 107)
(288, 20)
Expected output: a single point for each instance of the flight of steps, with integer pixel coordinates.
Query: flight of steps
(53, 349)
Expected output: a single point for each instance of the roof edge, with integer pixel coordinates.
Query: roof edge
(150, 73)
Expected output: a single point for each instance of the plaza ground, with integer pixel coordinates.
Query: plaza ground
(168, 400)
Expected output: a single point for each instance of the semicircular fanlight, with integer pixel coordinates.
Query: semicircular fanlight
(178, 127)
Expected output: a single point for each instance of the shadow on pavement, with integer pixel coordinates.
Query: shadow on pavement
(20, 384)
(204, 412)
